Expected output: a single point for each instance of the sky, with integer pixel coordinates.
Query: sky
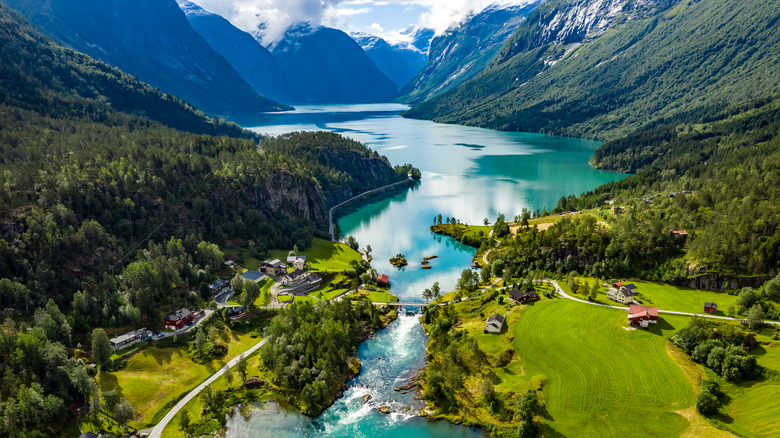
(384, 18)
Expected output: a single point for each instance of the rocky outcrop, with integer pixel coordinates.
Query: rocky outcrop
(365, 173)
(295, 196)
(722, 283)
(254, 382)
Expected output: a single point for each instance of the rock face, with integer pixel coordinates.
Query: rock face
(722, 283)
(294, 196)
(464, 50)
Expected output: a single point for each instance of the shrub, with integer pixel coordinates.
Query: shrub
(707, 403)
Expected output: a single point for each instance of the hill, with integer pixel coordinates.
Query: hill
(604, 69)
(464, 50)
(152, 40)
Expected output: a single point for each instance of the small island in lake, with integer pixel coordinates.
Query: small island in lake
(429, 257)
(399, 260)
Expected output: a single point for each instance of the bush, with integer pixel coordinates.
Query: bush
(707, 403)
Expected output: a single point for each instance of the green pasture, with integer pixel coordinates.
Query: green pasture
(598, 378)
(156, 377)
(323, 255)
(681, 299)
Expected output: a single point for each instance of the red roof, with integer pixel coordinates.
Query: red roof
(636, 311)
(618, 285)
(382, 278)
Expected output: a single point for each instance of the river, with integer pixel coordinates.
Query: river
(467, 173)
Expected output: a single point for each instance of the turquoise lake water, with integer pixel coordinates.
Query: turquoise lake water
(467, 173)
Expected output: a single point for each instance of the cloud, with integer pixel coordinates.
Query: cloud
(273, 17)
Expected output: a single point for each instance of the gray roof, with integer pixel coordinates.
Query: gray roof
(252, 275)
(708, 304)
(216, 284)
(496, 317)
(181, 313)
(291, 259)
(630, 286)
(128, 336)
(295, 274)
(274, 263)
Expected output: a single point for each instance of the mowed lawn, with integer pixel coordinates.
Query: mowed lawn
(681, 299)
(598, 378)
(323, 255)
(755, 406)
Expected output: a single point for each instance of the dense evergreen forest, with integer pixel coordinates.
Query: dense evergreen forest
(716, 178)
(109, 218)
(311, 350)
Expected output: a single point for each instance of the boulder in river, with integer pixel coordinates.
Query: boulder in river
(384, 409)
(366, 398)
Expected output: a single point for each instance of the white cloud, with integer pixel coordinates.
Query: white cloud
(275, 16)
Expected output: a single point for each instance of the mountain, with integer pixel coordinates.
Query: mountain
(399, 61)
(152, 40)
(464, 50)
(39, 75)
(604, 68)
(326, 65)
(247, 56)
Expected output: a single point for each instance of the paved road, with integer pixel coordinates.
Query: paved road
(672, 312)
(158, 430)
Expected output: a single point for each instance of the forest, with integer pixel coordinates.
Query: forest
(311, 349)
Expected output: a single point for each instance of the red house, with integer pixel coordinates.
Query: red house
(642, 316)
(383, 279)
(521, 296)
(177, 319)
(710, 307)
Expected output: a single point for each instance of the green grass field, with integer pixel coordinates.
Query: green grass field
(599, 378)
(323, 255)
(681, 299)
(284, 298)
(156, 377)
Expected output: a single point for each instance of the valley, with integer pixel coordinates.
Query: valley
(389, 219)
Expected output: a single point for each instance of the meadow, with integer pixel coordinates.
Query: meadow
(156, 378)
(323, 255)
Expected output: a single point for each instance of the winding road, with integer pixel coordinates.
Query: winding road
(331, 229)
(671, 312)
(158, 429)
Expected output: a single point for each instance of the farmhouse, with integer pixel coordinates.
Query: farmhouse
(642, 316)
(295, 278)
(177, 319)
(298, 262)
(216, 287)
(383, 279)
(254, 276)
(622, 293)
(519, 296)
(129, 338)
(710, 307)
(495, 323)
(274, 267)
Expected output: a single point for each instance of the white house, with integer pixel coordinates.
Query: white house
(622, 293)
(295, 278)
(495, 323)
(130, 338)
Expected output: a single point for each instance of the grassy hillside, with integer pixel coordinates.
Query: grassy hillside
(645, 69)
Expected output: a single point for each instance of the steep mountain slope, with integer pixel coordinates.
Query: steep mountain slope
(463, 51)
(39, 75)
(152, 40)
(326, 65)
(400, 61)
(603, 68)
(247, 56)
